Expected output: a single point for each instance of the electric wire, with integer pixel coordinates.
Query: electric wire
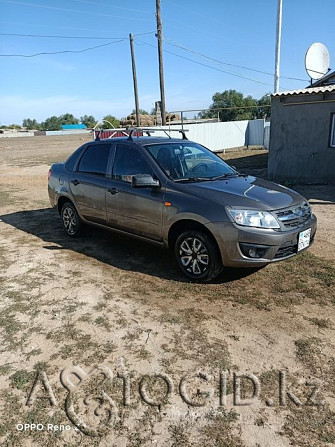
(72, 37)
(178, 45)
(77, 11)
(111, 6)
(63, 51)
(209, 66)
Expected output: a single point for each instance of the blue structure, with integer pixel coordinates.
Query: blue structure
(73, 126)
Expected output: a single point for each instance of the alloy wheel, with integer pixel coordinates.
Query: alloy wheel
(70, 221)
(194, 256)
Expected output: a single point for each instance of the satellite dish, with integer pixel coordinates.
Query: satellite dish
(317, 61)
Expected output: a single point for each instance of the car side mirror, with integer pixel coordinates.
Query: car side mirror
(144, 181)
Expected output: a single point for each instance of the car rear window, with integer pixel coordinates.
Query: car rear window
(72, 160)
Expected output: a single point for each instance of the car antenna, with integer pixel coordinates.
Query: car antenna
(183, 134)
(98, 135)
(130, 138)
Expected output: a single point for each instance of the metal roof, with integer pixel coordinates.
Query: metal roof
(304, 91)
(73, 126)
(326, 80)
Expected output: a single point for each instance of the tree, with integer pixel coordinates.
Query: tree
(110, 120)
(88, 120)
(30, 124)
(140, 111)
(264, 112)
(52, 123)
(68, 118)
(231, 100)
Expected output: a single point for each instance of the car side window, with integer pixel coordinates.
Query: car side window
(129, 161)
(95, 159)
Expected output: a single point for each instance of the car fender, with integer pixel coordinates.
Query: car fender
(173, 219)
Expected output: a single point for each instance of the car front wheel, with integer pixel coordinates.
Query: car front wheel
(198, 256)
(71, 220)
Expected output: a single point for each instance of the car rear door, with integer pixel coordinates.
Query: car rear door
(88, 182)
(135, 210)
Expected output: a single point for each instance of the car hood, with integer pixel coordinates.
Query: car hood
(246, 191)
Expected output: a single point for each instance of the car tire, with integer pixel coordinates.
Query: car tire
(71, 221)
(198, 256)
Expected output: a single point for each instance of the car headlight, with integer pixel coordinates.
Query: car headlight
(253, 218)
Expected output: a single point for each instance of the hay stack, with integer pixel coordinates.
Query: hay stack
(146, 120)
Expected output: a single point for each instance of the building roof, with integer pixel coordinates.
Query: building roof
(326, 80)
(73, 126)
(305, 91)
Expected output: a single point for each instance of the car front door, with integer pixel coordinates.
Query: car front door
(88, 182)
(135, 210)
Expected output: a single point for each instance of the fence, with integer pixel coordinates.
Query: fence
(224, 135)
(216, 136)
(16, 134)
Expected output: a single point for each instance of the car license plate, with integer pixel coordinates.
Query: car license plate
(304, 239)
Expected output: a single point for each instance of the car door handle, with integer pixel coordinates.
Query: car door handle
(75, 182)
(112, 190)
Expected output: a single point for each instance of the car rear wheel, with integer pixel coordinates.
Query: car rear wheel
(198, 256)
(71, 220)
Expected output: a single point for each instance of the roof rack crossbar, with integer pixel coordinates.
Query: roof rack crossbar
(128, 131)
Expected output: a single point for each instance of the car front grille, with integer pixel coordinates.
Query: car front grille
(290, 248)
(287, 249)
(295, 216)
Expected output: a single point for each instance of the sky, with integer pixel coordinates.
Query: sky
(208, 47)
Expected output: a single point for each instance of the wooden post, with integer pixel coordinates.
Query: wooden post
(137, 109)
(160, 59)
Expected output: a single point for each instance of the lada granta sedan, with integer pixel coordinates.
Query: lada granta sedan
(178, 194)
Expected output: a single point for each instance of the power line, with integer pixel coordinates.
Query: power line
(178, 45)
(61, 52)
(192, 11)
(111, 6)
(49, 26)
(209, 66)
(223, 108)
(71, 37)
(215, 60)
(59, 37)
(77, 11)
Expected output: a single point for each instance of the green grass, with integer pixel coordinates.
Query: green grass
(21, 378)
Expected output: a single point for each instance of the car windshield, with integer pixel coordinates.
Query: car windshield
(187, 161)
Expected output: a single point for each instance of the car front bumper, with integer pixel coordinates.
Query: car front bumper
(272, 245)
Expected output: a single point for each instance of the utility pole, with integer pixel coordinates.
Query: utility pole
(278, 45)
(137, 110)
(160, 59)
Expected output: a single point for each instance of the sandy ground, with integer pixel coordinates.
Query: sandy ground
(105, 306)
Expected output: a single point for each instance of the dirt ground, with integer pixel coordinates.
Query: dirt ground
(103, 332)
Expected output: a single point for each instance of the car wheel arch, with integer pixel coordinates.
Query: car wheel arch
(61, 201)
(182, 225)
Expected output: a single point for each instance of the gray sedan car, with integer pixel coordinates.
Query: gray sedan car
(178, 194)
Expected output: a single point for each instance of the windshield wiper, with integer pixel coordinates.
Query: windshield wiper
(193, 179)
(222, 176)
